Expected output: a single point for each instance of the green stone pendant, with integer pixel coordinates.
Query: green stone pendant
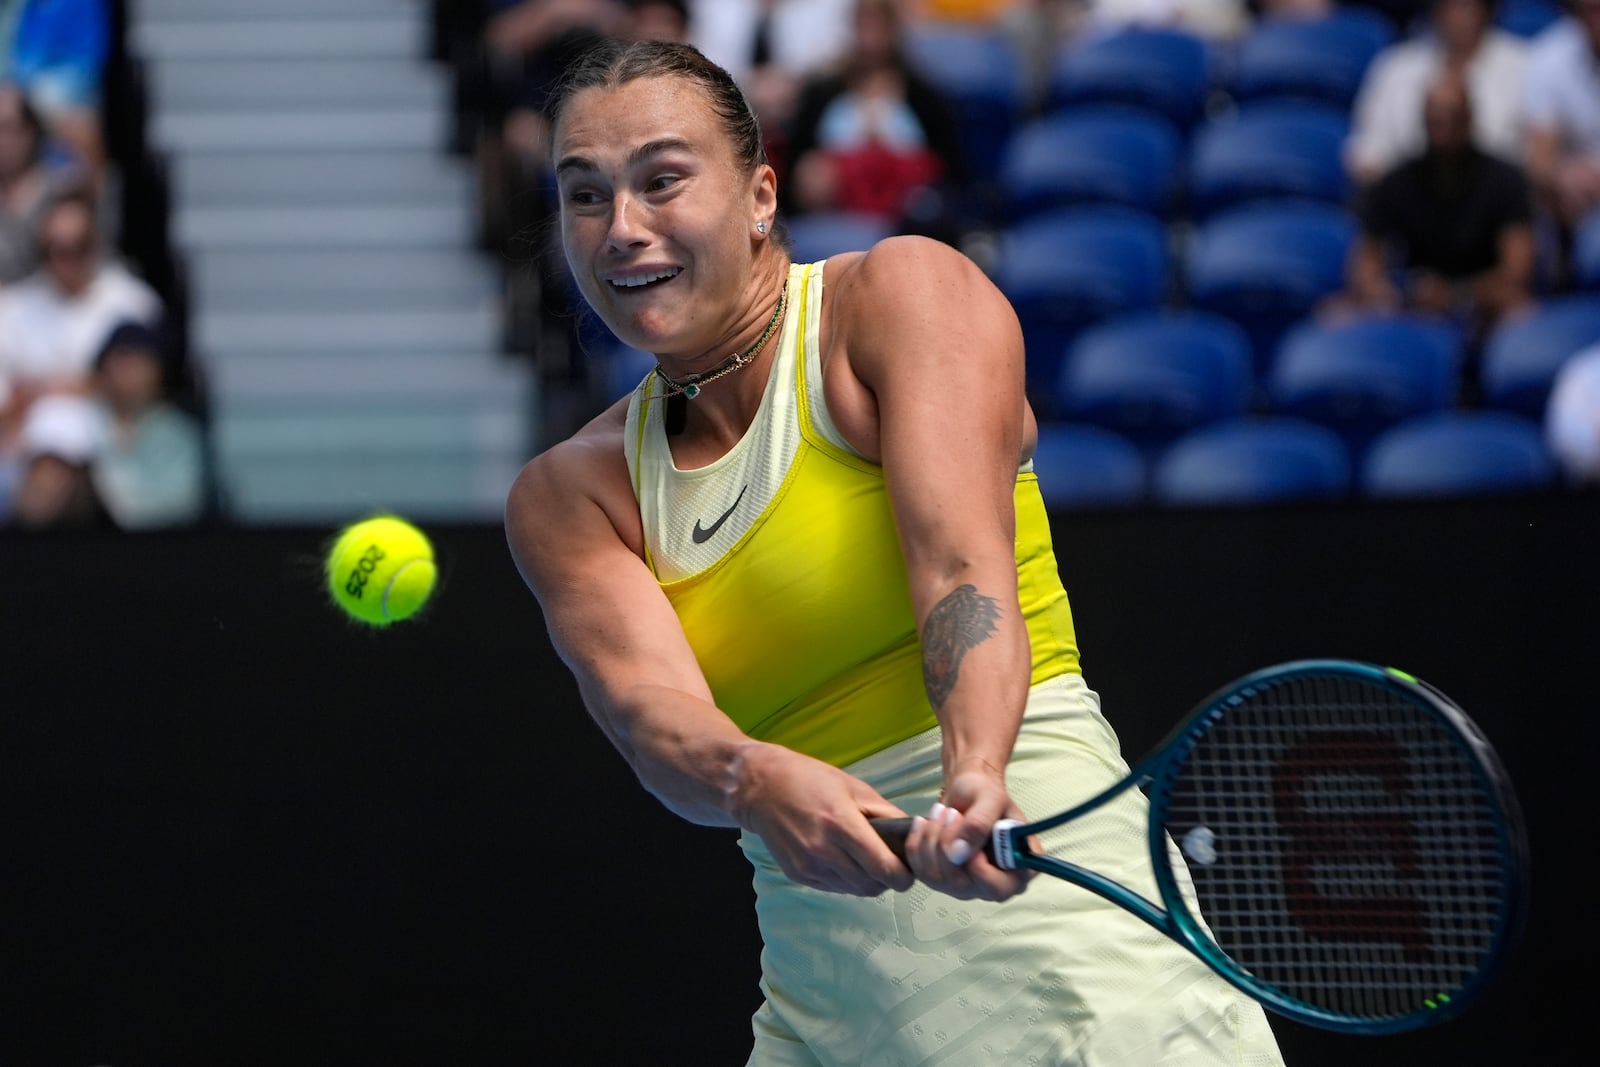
(691, 390)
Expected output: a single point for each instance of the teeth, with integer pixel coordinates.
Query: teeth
(631, 280)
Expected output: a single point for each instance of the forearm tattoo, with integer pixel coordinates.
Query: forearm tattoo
(960, 621)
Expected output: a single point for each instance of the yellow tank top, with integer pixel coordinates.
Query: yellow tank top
(783, 564)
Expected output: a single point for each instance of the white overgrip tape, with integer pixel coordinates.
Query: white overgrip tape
(1005, 849)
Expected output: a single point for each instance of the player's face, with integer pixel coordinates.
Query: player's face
(656, 215)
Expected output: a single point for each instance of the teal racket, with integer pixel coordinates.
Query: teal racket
(1337, 839)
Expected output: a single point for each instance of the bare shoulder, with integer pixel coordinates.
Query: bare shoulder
(909, 291)
(574, 492)
(898, 267)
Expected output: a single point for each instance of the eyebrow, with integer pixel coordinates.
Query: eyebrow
(644, 151)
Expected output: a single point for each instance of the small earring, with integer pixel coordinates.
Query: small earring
(761, 227)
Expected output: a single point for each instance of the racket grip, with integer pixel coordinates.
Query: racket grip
(998, 848)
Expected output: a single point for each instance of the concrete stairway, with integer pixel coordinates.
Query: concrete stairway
(348, 330)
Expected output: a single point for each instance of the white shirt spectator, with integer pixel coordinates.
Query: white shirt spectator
(1386, 126)
(803, 35)
(1562, 89)
(46, 336)
(1572, 417)
(1216, 19)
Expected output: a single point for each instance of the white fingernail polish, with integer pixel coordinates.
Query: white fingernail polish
(958, 852)
(949, 816)
(936, 813)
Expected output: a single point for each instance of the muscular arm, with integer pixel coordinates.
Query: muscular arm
(942, 356)
(571, 523)
(618, 636)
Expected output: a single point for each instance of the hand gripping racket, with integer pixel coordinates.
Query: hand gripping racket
(1356, 853)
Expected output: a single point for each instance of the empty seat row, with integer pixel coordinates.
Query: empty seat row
(1112, 154)
(1254, 460)
(1155, 375)
(1167, 71)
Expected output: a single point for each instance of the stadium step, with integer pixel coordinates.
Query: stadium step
(205, 84)
(300, 279)
(268, 377)
(204, 179)
(348, 332)
(263, 131)
(428, 329)
(446, 225)
(398, 31)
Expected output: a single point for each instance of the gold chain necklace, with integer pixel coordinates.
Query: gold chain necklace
(690, 386)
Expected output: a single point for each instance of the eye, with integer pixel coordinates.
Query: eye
(662, 182)
(583, 196)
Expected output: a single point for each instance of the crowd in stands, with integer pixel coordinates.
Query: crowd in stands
(1446, 153)
(1216, 219)
(91, 431)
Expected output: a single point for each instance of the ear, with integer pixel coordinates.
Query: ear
(763, 195)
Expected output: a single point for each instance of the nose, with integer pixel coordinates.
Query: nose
(627, 223)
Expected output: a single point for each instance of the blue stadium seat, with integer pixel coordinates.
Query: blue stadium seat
(1321, 58)
(1286, 149)
(1253, 460)
(1106, 153)
(1363, 376)
(1087, 466)
(1155, 375)
(1521, 356)
(1527, 18)
(982, 74)
(1459, 453)
(820, 234)
(1586, 252)
(1267, 265)
(1065, 269)
(1165, 71)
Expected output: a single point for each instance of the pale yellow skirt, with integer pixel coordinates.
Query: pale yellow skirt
(1054, 976)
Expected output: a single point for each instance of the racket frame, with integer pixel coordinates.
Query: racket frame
(1157, 772)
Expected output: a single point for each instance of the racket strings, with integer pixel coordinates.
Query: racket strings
(1341, 846)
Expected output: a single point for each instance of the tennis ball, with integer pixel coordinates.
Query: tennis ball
(381, 570)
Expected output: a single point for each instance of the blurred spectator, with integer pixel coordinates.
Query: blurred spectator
(53, 323)
(54, 488)
(1448, 232)
(1297, 9)
(26, 183)
(984, 12)
(528, 44)
(1572, 417)
(1459, 36)
(870, 133)
(1562, 113)
(150, 468)
(770, 47)
(659, 20)
(57, 50)
(1215, 19)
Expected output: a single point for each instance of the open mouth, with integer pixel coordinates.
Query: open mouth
(644, 279)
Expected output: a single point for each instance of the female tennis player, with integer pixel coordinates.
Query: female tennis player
(804, 578)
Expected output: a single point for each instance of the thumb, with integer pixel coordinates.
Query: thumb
(973, 828)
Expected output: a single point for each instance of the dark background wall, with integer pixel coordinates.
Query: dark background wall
(236, 829)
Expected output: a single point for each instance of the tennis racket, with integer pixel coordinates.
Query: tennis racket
(1336, 839)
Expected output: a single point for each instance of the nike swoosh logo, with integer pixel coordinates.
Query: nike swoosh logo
(701, 536)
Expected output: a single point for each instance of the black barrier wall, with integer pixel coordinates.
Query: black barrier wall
(239, 830)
